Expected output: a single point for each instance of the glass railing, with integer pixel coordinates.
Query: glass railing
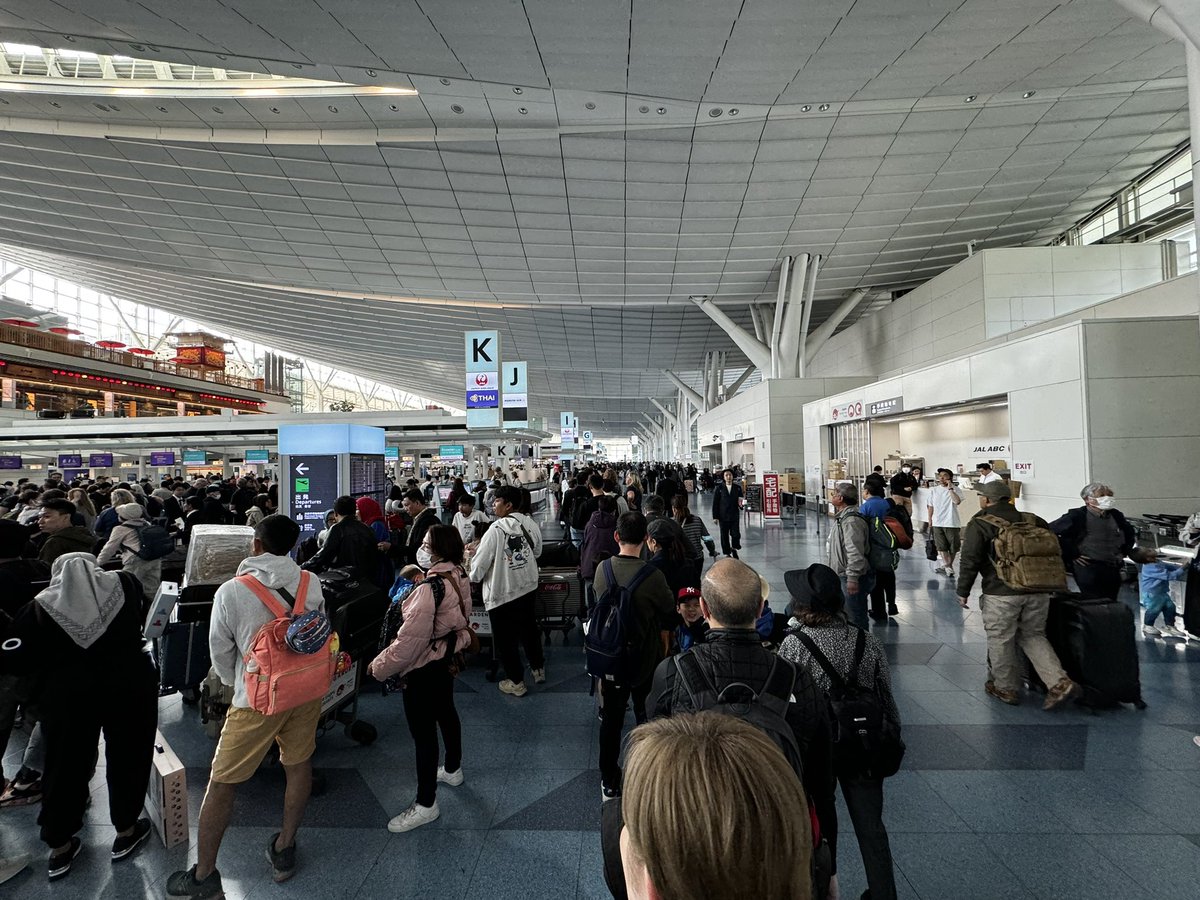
(54, 343)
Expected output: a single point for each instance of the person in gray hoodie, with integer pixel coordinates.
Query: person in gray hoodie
(847, 551)
(247, 735)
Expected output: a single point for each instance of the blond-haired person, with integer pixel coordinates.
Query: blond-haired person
(685, 843)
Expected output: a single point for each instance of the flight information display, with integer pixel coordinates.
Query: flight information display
(367, 476)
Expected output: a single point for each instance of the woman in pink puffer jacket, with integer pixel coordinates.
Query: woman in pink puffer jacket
(421, 654)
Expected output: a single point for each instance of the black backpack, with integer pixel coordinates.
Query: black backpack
(580, 512)
(608, 633)
(866, 741)
(767, 711)
(154, 542)
(394, 618)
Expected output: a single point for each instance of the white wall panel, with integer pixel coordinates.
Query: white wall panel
(1046, 413)
(1143, 348)
(1146, 407)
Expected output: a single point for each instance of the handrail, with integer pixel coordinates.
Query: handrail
(54, 343)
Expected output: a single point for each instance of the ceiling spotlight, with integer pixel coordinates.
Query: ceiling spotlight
(297, 66)
(333, 109)
(522, 110)
(1028, 94)
(275, 109)
(112, 108)
(138, 47)
(518, 90)
(218, 110)
(715, 112)
(68, 37)
(805, 108)
(444, 80)
(151, 48)
(643, 109)
(162, 109)
(589, 105)
(824, 107)
(56, 104)
(101, 107)
(222, 57)
(662, 110)
(394, 108)
(456, 109)
(970, 98)
(734, 111)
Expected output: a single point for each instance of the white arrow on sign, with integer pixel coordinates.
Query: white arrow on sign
(301, 469)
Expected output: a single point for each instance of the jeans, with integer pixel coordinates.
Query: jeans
(429, 706)
(883, 594)
(514, 625)
(856, 603)
(1158, 602)
(864, 801)
(614, 699)
(1098, 580)
(731, 535)
(1018, 620)
(14, 692)
(576, 537)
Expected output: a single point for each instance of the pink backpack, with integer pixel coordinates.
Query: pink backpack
(277, 677)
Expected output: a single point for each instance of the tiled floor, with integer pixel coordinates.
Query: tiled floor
(993, 801)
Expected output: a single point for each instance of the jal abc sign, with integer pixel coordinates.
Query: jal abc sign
(482, 349)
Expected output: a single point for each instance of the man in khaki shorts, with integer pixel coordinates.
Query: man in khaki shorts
(247, 734)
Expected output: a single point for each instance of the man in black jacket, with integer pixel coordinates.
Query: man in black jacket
(350, 544)
(423, 518)
(731, 601)
(727, 513)
(1095, 539)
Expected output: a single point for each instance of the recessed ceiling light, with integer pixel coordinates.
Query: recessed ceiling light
(297, 66)
(1028, 94)
(824, 107)
(522, 110)
(662, 110)
(805, 108)
(394, 108)
(68, 37)
(333, 109)
(275, 109)
(444, 80)
(56, 104)
(643, 109)
(518, 90)
(222, 57)
(970, 98)
(456, 109)
(218, 110)
(162, 109)
(734, 111)
(716, 112)
(137, 47)
(100, 106)
(589, 105)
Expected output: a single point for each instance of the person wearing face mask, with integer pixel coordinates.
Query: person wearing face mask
(1095, 540)
(902, 486)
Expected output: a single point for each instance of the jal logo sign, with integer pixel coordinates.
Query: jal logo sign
(483, 381)
(990, 448)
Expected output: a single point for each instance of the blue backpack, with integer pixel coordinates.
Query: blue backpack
(609, 629)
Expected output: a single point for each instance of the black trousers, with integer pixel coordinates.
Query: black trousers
(864, 801)
(731, 534)
(884, 592)
(1097, 580)
(514, 625)
(614, 700)
(429, 706)
(126, 712)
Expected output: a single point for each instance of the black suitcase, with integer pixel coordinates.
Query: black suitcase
(1096, 642)
(558, 555)
(183, 659)
(358, 621)
(1191, 599)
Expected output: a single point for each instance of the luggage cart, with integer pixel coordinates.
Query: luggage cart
(559, 600)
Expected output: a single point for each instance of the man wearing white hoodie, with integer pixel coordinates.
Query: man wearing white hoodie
(506, 563)
(247, 735)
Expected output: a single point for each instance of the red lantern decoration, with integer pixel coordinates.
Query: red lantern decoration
(141, 351)
(110, 345)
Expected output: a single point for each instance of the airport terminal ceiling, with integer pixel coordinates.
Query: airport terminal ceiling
(568, 173)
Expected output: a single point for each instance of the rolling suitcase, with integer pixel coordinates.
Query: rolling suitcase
(558, 555)
(183, 659)
(1097, 645)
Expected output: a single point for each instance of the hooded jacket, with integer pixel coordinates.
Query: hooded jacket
(849, 543)
(597, 539)
(415, 645)
(125, 540)
(238, 614)
(505, 563)
(72, 539)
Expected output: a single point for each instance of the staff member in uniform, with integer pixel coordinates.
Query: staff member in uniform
(727, 513)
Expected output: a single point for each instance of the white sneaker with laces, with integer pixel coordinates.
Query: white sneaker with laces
(539, 676)
(454, 779)
(1172, 631)
(414, 817)
(1150, 631)
(950, 573)
(516, 689)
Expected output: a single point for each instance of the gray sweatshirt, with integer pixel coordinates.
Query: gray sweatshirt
(849, 543)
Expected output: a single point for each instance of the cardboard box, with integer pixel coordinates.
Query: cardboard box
(166, 797)
(792, 483)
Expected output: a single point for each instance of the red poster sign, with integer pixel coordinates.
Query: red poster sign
(771, 496)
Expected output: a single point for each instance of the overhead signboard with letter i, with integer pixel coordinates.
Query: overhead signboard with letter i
(483, 378)
(566, 430)
(516, 395)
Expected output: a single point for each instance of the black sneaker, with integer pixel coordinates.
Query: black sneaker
(124, 846)
(21, 793)
(893, 610)
(59, 864)
(184, 886)
(283, 862)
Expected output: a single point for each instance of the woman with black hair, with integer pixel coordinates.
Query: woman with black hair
(668, 554)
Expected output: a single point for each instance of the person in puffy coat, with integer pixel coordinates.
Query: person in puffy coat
(125, 541)
(432, 632)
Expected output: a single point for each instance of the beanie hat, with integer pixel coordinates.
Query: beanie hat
(128, 511)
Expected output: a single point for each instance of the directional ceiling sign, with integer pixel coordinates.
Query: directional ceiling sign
(483, 378)
(516, 395)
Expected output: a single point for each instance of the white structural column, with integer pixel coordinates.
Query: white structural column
(1180, 19)
(787, 322)
(826, 329)
(694, 396)
(672, 428)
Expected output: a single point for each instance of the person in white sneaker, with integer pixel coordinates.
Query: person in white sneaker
(1154, 586)
(434, 629)
(506, 564)
(942, 513)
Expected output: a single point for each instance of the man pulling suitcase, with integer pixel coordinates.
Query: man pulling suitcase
(1019, 561)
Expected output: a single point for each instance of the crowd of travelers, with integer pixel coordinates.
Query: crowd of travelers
(754, 705)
